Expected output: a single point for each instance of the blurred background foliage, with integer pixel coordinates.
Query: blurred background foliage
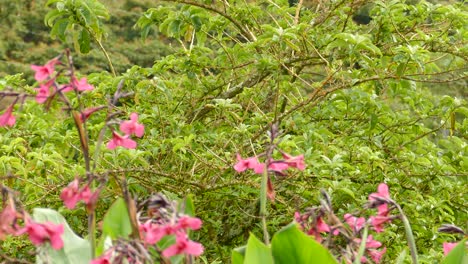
(25, 38)
(367, 100)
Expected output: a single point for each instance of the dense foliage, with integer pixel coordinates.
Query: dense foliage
(353, 96)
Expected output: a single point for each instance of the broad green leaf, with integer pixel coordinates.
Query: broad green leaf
(189, 206)
(116, 222)
(457, 255)
(238, 254)
(59, 28)
(76, 250)
(84, 41)
(290, 245)
(257, 252)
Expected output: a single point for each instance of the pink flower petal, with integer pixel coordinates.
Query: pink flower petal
(132, 127)
(189, 222)
(70, 195)
(123, 141)
(382, 192)
(447, 246)
(7, 118)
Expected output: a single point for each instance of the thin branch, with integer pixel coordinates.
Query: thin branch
(248, 35)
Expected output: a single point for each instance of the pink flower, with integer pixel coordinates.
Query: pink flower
(378, 221)
(376, 255)
(249, 163)
(8, 119)
(295, 162)
(88, 112)
(7, 221)
(382, 210)
(382, 192)
(185, 222)
(321, 226)
(448, 247)
(103, 259)
(82, 85)
(183, 246)
(43, 92)
(70, 195)
(370, 242)
(277, 166)
(118, 140)
(43, 72)
(132, 126)
(153, 233)
(86, 195)
(42, 232)
(355, 223)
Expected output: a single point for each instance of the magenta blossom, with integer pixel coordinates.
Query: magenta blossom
(371, 246)
(43, 72)
(8, 119)
(249, 163)
(43, 232)
(448, 247)
(7, 221)
(378, 222)
(295, 162)
(88, 112)
(123, 141)
(70, 195)
(186, 222)
(82, 85)
(355, 223)
(153, 233)
(377, 255)
(278, 166)
(103, 259)
(132, 126)
(382, 192)
(183, 246)
(43, 92)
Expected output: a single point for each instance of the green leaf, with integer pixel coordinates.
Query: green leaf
(116, 222)
(59, 28)
(238, 254)
(84, 41)
(189, 206)
(257, 252)
(457, 255)
(290, 245)
(75, 249)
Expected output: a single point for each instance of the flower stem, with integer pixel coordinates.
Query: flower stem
(111, 66)
(263, 201)
(362, 247)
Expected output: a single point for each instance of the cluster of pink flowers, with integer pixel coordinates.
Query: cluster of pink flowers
(39, 233)
(129, 127)
(371, 248)
(274, 165)
(154, 232)
(313, 224)
(151, 233)
(72, 194)
(47, 88)
(382, 216)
